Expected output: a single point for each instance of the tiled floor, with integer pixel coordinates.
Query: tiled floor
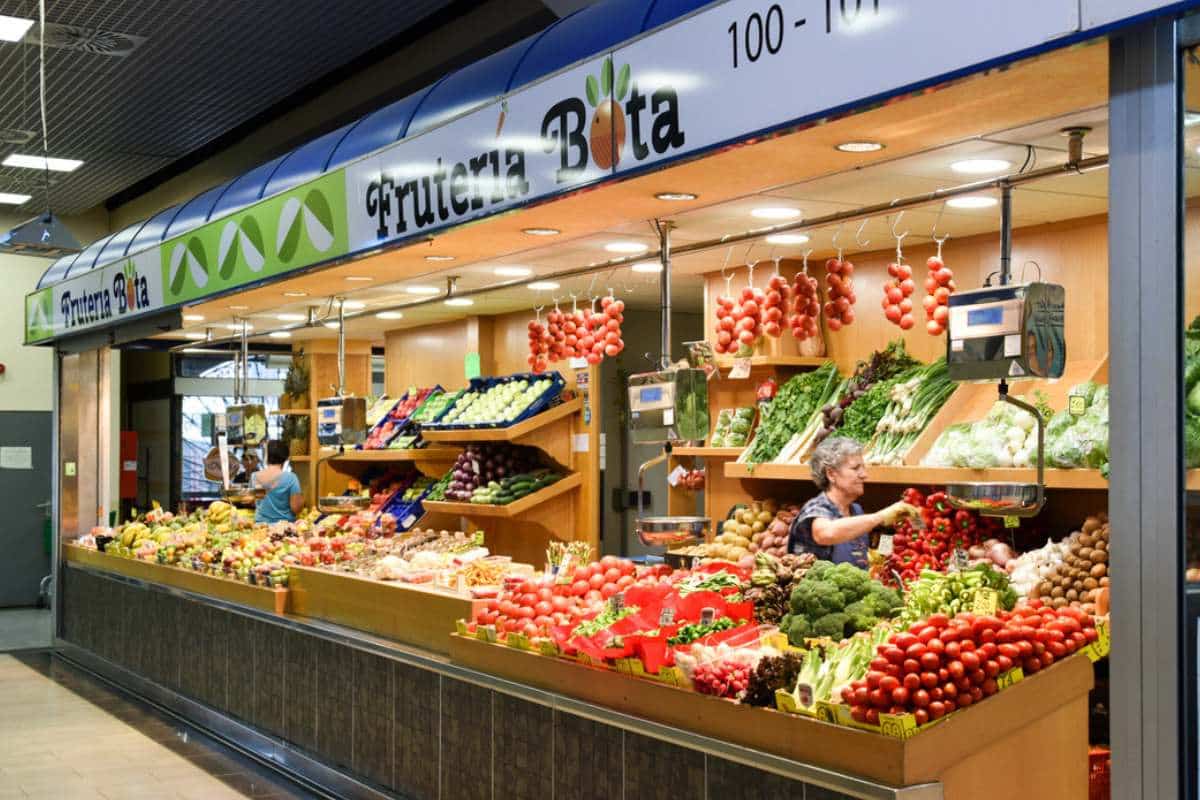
(24, 628)
(64, 735)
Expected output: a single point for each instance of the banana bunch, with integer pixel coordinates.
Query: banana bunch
(219, 513)
(133, 533)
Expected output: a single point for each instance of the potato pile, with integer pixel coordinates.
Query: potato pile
(1082, 579)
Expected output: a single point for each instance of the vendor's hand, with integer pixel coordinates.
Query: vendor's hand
(896, 512)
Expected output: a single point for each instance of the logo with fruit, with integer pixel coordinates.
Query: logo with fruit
(241, 240)
(313, 215)
(39, 320)
(606, 134)
(187, 259)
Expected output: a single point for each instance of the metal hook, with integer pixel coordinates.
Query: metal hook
(776, 259)
(728, 257)
(750, 273)
(896, 224)
(933, 233)
(1026, 264)
(807, 253)
(836, 235)
(858, 240)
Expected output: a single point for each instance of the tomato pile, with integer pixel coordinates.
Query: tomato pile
(807, 306)
(942, 664)
(775, 305)
(938, 287)
(897, 295)
(944, 531)
(839, 287)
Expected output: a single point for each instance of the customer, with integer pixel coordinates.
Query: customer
(832, 525)
(284, 499)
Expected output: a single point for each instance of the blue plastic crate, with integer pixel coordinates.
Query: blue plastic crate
(402, 424)
(543, 402)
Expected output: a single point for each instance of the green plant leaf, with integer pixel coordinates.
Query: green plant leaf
(606, 77)
(593, 91)
(622, 82)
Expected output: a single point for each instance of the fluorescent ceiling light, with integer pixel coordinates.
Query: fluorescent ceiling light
(860, 147)
(237, 326)
(460, 301)
(971, 201)
(196, 336)
(13, 29)
(333, 326)
(193, 318)
(626, 247)
(295, 294)
(676, 196)
(787, 238)
(291, 317)
(422, 290)
(238, 308)
(279, 335)
(38, 162)
(11, 199)
(353, 305)
(647, 266)
(775, 212)
(541, 231)
(543, 286)
(981, 166)
(513, 272)
(1191, 118)
(359, 278)
(390, 315)
(439, 258)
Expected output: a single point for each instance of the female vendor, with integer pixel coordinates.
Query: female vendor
(832, 525)
(284, 497)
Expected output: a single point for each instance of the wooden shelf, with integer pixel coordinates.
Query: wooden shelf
(510, 433)
(726, 362)
(925, 476)
(513, 509)
(708, 452)
(389, 456)
(292, 412)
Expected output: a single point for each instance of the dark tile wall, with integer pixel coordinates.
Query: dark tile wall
(420, 734)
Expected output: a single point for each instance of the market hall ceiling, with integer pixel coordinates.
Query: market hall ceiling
(133, 86)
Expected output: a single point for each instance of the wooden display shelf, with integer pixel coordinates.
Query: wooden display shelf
(259, 597)
(726, 362)
(927, 476)
(513, 509)
(1034, 733)
(292, 412)
(708, 452)
(409, 613)
(510, 433)
(387, 456)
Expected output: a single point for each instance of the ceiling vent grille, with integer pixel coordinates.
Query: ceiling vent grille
(88, 40)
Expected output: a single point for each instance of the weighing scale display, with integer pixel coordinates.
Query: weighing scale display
(652, 394)
(985, 316)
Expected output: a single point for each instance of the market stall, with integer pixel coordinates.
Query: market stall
(459, 581)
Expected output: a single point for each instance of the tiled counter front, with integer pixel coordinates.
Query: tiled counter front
(403, 728)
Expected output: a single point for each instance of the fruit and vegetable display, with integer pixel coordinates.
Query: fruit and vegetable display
(806, 306)
(480, 465)
(912, 403)
(791, 411)
(739, 323)
(1006, 437)
(513, 487)
(758, 527)
(887, 366)
(955, 591)
(929, 543)
(733, 427)
(939, 285)
(772, 582)
(839, 293)
(835, 602)
(897, 293)
(1081, 579)
(393, 422)
(1080, 440)
(500, 403)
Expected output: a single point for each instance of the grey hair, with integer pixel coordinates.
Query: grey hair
(831, 454)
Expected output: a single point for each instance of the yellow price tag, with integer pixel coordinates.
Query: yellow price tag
(585, 659)
(1007, 679)
(778, 640)
(461, 627)
(828, 712)
(1076, 405)
(518, 641)
(1012, 522)
(986, 601)
(547, 647)
(673, 676)
(785, 702)
(898, 726)
(486, 633)
(1103, 644)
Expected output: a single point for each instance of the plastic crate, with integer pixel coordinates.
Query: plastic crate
(543, 402)
(400, 424)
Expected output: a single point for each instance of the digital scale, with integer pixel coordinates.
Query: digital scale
(341, 421)
(669, 405)
(1007, 332)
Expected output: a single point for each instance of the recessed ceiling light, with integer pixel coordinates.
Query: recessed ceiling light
(787, 238)
(359, 278)
(422, 290)
(13, 29)
(291, 317)
(626, 247)
(439, 258)
(647, 266)
(543, 286)
(1191, 118)
(237, 326)
(541, 231)
(239, 308)
(38, 162)
(513, 272)
(280, 335)
(980, 166)
(971, 201)
(676, 196)
(860, 147)
(390, 315)
(195, 336)
(775, 212)
(333, 326)
(460, 301)
(295, 294)
(193, 318)
(353, 305)
(10, 199)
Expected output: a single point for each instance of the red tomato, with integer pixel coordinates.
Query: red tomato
(596, 581)
(543, 608)
(906, 322)
(608, 590)
(612, 575)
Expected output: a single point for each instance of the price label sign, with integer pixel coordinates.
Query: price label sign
(707, 615)
(548, 648)
(1076, 405)
(461, 627)
(518, 641)
(676, 475)
(617, 602)
(785, 702)
(666, 617)
(1103, 644)
(740, 369)
(477, 539)
(898, 726)
(805, 695)
(886, 545)
(1012, 522)
(826, 712)
(959, 561)
(986, 601)
(1007, 679)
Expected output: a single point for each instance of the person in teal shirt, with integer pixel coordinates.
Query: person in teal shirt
(284, 499)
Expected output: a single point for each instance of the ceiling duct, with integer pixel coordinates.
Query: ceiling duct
(87, 40)
(44, 236)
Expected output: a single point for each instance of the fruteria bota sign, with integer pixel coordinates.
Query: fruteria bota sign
(729, 72)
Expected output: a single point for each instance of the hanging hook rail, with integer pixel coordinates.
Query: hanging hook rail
(858, 240)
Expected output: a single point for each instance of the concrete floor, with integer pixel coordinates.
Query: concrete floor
(25, 628)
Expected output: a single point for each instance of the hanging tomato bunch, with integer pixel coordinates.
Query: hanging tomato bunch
(938, 286)
(839, 286)
(807, 305)
(558, 337)
(897, 295)
(539, 345)
(775, 304)
(749, 317)
(726, 326)
(612, 315)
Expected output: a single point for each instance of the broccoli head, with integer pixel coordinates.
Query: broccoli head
(862, 615)
(816, 598)
(1191, 441)
(882, 601)
(832, 625)
(798, 629)
(852, 581)
(820, 570)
